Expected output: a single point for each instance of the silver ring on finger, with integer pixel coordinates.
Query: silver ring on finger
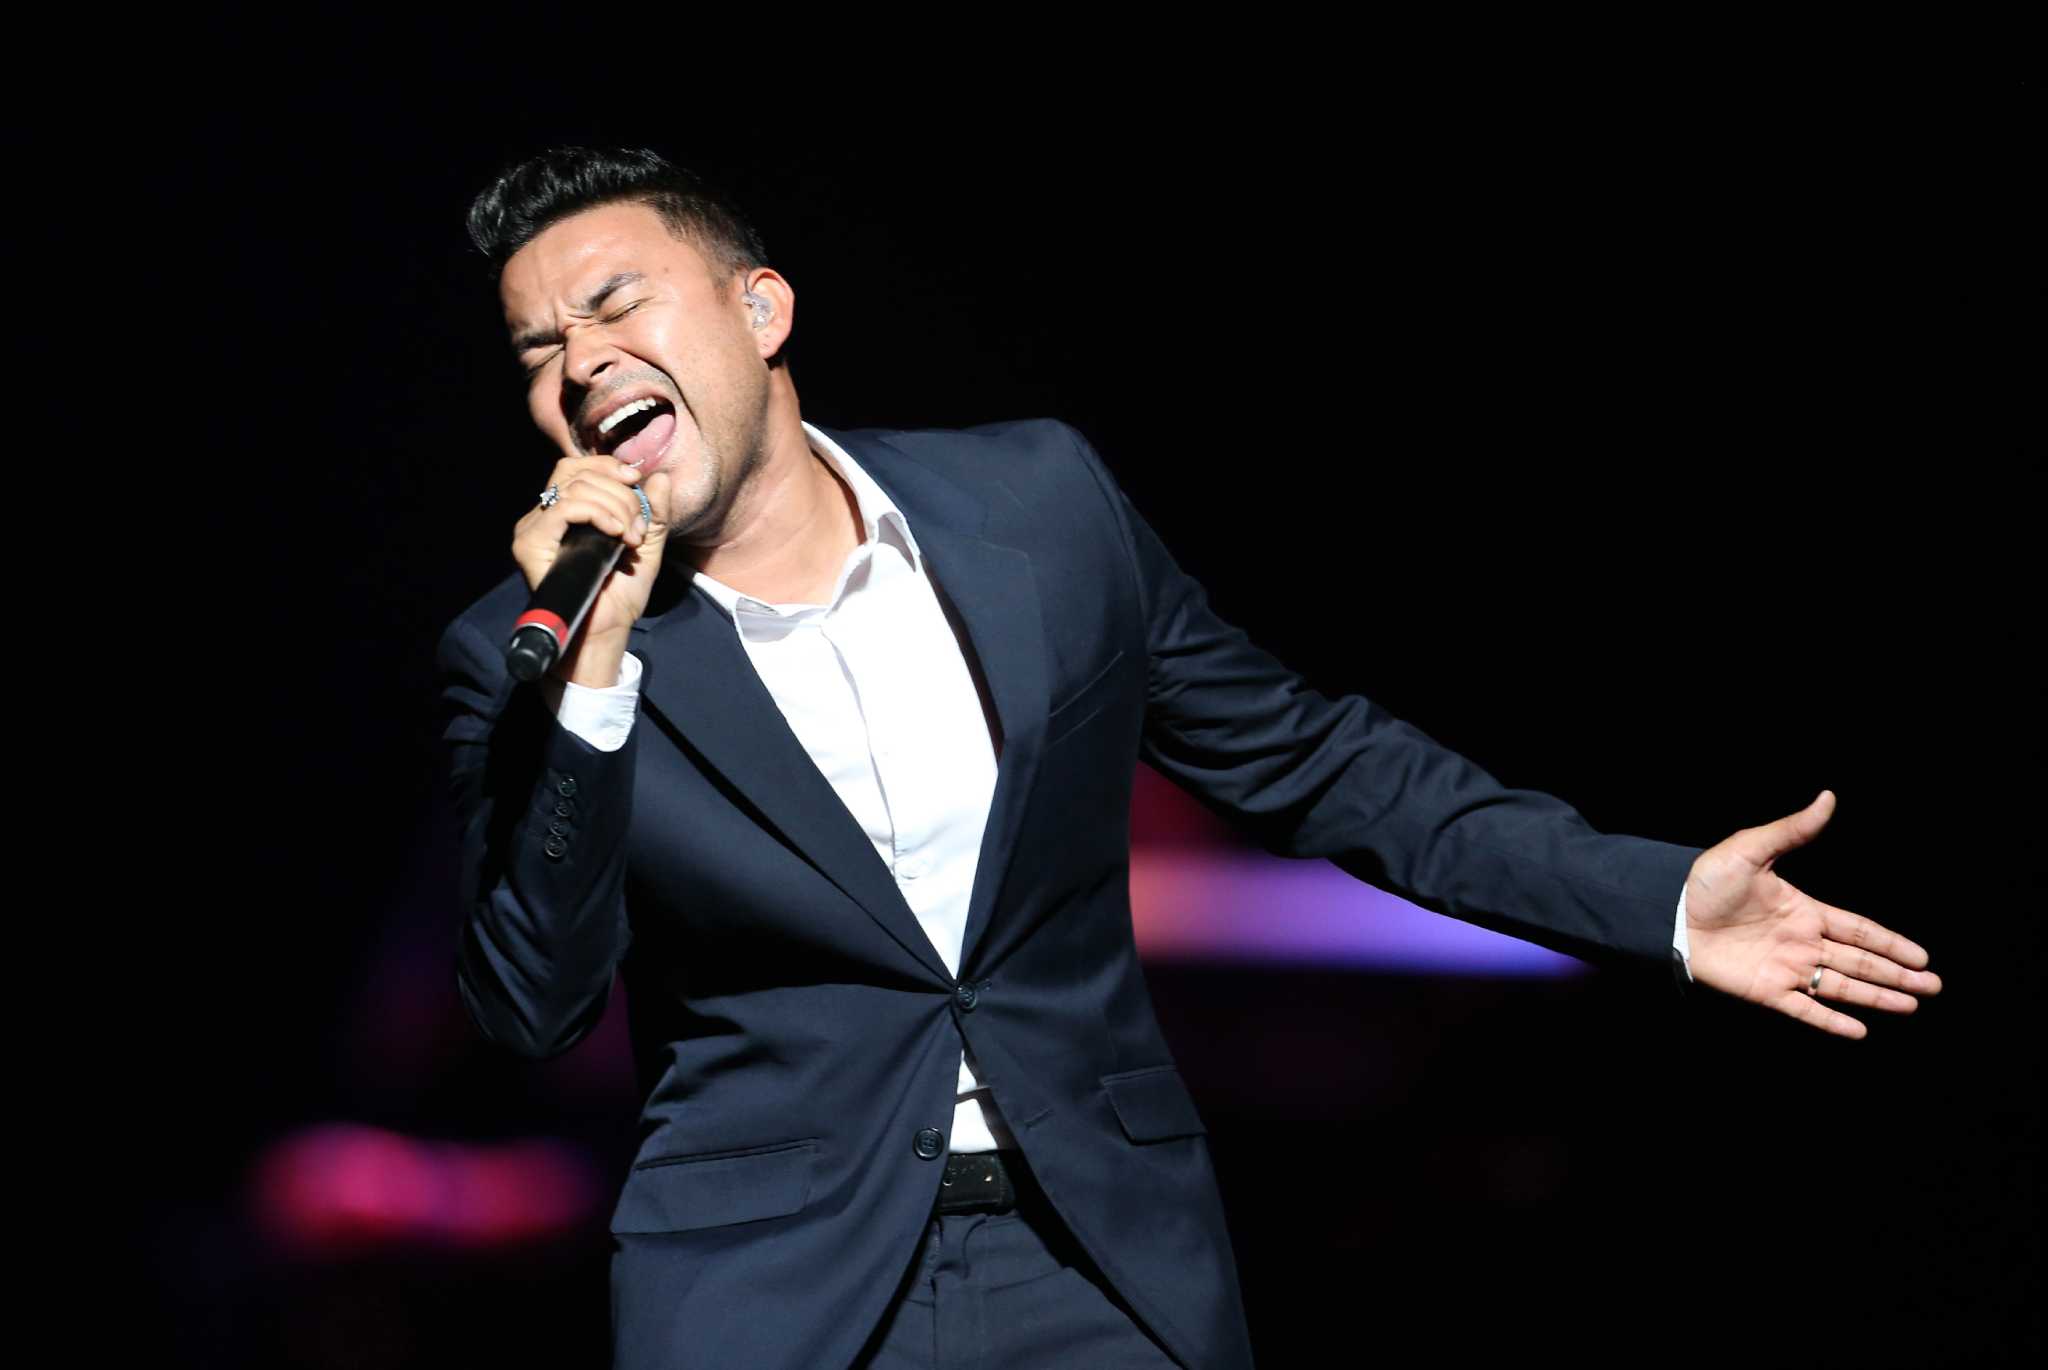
(549, 496)
(1813, 985)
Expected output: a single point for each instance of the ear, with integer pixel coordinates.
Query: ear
(771, 320)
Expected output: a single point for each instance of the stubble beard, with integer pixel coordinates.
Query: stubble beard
(704, 509)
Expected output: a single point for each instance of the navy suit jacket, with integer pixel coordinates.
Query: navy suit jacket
(795, 1033)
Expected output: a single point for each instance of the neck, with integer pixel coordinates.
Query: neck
(792, 525)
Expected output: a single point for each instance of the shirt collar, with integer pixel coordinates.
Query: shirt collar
(877, 511)
(882, 523)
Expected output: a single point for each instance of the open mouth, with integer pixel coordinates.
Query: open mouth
(638, 430)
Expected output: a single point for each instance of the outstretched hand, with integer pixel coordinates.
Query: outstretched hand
(1755, 936)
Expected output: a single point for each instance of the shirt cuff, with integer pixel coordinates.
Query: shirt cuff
(601, 717)
(1679, 939)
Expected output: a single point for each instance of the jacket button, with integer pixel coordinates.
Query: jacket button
(968, 996)
(555, 848)
(567, 788)
(563, 808)
(558, 829)
(928, 1144)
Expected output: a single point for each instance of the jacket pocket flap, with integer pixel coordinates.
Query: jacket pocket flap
(678, 1193)
(1153, 1104)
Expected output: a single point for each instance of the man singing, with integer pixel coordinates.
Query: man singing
(837, 774)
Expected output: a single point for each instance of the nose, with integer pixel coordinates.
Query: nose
(586, 355)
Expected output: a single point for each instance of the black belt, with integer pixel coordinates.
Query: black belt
(985, 1182)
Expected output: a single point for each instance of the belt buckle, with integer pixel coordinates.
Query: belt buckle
(976, 1181)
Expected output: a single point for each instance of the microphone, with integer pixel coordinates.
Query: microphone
(560, 601)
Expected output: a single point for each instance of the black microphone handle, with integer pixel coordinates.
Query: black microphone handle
(561, 600)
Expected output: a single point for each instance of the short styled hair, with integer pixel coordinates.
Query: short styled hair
(517, 207)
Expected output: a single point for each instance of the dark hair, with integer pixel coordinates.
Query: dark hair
(514, 209)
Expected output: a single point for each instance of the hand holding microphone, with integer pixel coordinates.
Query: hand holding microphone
(590, 556)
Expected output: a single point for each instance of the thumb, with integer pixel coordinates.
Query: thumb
(1767, 843)
(656, 489)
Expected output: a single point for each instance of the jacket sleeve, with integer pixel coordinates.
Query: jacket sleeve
(1309, 776)
(543, 817)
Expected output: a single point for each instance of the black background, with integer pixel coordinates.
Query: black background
(1656, 445)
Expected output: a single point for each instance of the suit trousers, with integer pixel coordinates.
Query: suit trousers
(1008, 1291)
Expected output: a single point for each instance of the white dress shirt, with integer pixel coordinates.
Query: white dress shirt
(875, 686)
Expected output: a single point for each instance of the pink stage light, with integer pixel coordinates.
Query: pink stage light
(346, 1188)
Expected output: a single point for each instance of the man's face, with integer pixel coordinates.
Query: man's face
(632, 351)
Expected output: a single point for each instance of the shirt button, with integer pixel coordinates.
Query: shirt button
(928, 1144)
(912, 868)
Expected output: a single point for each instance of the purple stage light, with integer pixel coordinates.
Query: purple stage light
(1194, 903)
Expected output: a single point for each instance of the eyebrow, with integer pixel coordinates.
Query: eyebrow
(541, 337)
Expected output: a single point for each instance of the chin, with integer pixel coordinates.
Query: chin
(696, 498)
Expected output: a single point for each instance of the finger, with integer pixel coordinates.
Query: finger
(1811, 1012)
(620, 506)
(605, 516)
(548, 528)
(1850, 989)
(538, 537)
(604, 472)
(1854, 930)
(568, 468)
(1869, 966)
(1765, 844)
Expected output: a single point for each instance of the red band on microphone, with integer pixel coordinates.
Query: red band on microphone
(554, 623)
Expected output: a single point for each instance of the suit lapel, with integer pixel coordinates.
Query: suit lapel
(700, 682)
(698, 678)
(994, 591)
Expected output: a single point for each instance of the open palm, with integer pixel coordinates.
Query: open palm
(1756, 936)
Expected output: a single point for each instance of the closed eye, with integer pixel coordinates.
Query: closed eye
(609, 318)
(614, 317)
